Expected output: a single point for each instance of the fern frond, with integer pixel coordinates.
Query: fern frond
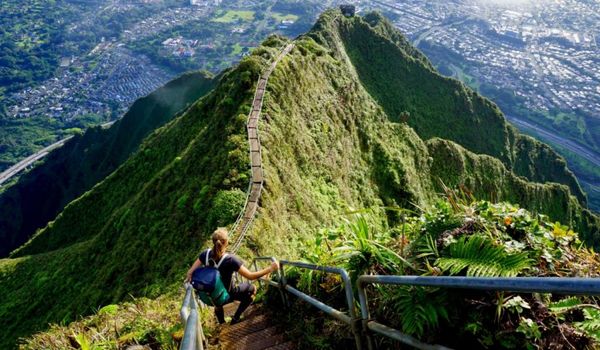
(564, 305)
(591, 324)
(481, 257)
(419, 308)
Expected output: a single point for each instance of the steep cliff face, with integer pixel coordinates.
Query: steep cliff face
(401, 80)
(489, 179)
(332, 142)
(334, 128)
(84, 161)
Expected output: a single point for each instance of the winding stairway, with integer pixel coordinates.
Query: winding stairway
(256, 331)
(246, 216)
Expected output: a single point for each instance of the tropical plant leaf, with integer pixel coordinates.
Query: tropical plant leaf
(83, 341)
(564, 305)
(479, 256)
(591, 324)
(420, 308)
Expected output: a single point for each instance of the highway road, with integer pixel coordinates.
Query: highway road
(584, 152)
(23, 164)
(17, 168)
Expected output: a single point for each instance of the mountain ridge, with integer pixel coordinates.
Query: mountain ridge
(84, 161)
(468, 122)
(329, 146)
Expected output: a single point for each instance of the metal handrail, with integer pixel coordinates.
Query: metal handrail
(558, 285)
(350, 319)
(277, 273)
(194, 338)
(270, 281)
(193, 335)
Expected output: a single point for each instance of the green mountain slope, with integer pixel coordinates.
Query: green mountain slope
(85, 160)
(329, 144)
(489, 179)
(349, 152)
(439, 106)
(136, 228)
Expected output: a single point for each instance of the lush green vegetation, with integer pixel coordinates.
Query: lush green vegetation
(587, 173)
(140, 227)
(456, 236)
(579, 128)
(489, 179)
(329, 144)
(458, 113)
(388, 161)
(85, 160)
(140, 321)
(150, 322)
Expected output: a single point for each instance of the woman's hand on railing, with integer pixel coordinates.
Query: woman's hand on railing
(188, 276)
(274, 266)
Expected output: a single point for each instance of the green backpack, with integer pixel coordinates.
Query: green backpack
(207, 282)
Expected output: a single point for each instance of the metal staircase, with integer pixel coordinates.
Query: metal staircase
(246, 216)
(256, 331)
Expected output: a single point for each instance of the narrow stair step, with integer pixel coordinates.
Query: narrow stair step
(288, 345)
(263, 339)
(245, 327)
(230, 308)
(251, 311)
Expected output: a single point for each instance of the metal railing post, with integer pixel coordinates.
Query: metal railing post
(189, 335)
(349, 319)
(193, 335)
(256, 269)
(365, 315)
(278, 285)
(351, 308)
(184, 313)
(283, 286)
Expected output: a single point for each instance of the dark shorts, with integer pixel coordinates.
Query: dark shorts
(241, 292)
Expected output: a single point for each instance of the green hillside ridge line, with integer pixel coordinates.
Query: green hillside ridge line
(67, 173)
(295, 99)
(489, 179)
(328, 147)
(140, 226)
(463, 116)
(85, 215)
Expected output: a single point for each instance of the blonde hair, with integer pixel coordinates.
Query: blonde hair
(220, 240)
